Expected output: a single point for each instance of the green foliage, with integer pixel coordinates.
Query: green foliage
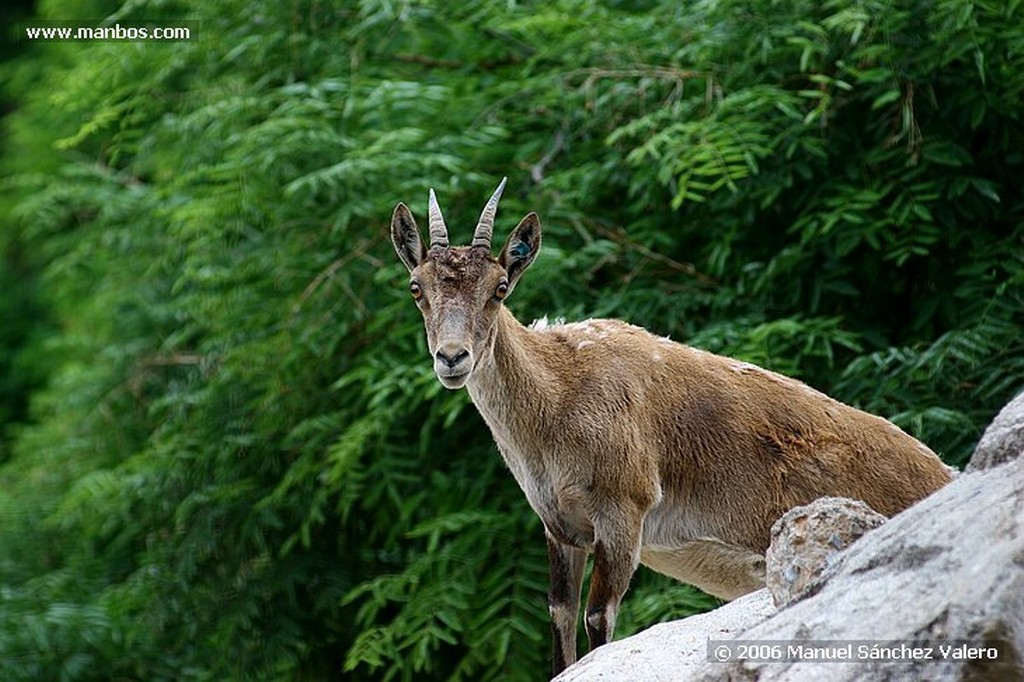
(226, 456)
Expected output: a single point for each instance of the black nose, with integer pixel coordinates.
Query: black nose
(455, 358)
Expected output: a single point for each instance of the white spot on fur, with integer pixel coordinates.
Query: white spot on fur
(743, 367)
(656, 357)
(597, 327)
(586, 326)
(583, 344)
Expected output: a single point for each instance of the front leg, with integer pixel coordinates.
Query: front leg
(616, 555)
(566, 564)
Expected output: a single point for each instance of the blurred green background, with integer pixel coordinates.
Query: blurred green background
(223, 454)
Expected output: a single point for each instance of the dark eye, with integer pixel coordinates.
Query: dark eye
(501, 290)
(415, 290)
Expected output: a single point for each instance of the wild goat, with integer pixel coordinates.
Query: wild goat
(634, 448)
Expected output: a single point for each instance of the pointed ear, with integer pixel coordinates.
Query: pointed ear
(521, 248)
(406, 237)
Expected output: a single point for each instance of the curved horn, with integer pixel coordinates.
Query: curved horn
(485, 228)
(438, 230)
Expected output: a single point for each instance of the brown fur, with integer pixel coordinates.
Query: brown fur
(638, 449)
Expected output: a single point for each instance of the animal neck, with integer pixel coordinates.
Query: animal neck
(511, 376)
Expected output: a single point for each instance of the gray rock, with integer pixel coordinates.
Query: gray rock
(1003, 440)
(808, 540)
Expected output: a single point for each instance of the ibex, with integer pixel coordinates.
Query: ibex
(632, 447)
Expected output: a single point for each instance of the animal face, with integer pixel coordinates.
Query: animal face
(459, 290)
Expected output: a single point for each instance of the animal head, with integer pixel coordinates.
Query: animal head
(460, 289)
